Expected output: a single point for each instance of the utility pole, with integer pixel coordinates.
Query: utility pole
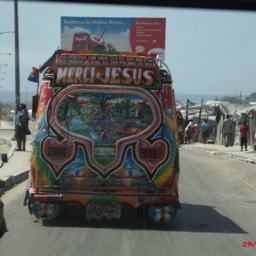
(200, 113)
(0, 112)
(17, 61)
(198, 128)
(186, 118)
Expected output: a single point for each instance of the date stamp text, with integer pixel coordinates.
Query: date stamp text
(249, 244)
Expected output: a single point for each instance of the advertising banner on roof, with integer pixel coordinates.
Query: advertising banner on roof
(142, 35)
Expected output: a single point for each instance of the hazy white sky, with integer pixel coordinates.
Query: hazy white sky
(208, 51)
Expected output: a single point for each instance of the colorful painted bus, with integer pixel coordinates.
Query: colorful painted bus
(106, 136)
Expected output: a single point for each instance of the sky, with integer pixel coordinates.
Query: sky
(209, 52)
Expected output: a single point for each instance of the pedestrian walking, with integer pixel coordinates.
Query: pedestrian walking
(243, 135)
(227, 128)
(21, 127)
(205, 130)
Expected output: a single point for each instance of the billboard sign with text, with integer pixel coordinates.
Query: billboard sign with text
(141, 35)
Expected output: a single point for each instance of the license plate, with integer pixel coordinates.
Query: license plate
(104, 152)
(98, 211)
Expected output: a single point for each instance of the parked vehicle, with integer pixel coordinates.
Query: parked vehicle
(106, 135)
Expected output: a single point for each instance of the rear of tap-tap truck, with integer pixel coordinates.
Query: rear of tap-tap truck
(106, 136)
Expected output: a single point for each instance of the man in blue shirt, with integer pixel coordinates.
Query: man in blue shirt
(205, 130)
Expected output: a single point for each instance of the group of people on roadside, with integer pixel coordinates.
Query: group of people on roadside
(192, 130)
(227, 132)
(227, 129)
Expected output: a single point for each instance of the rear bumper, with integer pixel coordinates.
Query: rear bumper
(134, 199)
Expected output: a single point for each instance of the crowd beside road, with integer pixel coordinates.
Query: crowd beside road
(194, 133)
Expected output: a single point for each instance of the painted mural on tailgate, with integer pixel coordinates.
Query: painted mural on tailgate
(105, 135)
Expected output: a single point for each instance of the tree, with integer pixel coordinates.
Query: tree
(251, 98)
(231, 99)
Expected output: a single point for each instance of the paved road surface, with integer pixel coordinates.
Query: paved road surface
(217, 218)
